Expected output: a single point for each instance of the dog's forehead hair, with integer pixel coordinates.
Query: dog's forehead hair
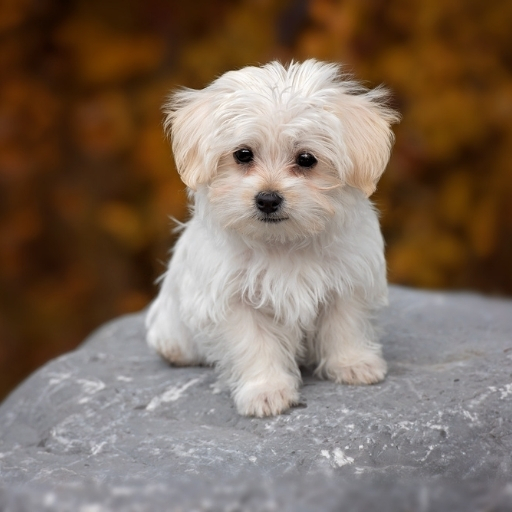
(304, 79)
(277, 110)
(277, 131)
(280, 105)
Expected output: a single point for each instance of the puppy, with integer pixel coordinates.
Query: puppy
(282, 262)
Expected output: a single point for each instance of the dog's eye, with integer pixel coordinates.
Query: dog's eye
(243, 156)
(306, 160)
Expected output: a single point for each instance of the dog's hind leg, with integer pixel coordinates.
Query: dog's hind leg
(345, 346)
(168, 335)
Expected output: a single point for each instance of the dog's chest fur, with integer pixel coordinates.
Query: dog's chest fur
(288, 285)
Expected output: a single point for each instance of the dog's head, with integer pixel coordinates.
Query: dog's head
(272, 147)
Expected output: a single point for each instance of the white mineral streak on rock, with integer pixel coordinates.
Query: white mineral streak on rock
(96, 448)
(475, 402)
(473, 417)
(171, 395)
(440, 428)
(59, 435)
(411, 386)
(90, 387)
(406, 425)
(505, 391)
(338, 459)
(57, 378)
(429, 451)
(122, 378)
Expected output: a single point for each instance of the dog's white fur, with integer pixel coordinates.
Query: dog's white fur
(258, 298)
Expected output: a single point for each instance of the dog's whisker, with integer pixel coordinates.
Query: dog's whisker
(331, 187)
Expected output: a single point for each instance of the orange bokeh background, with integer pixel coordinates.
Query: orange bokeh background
(87, 182)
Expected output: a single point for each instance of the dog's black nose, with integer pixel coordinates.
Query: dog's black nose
(268, 202)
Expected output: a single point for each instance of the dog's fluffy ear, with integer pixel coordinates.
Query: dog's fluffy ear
(366, 121)
(185, 114)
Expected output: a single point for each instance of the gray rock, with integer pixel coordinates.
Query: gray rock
(112, 426)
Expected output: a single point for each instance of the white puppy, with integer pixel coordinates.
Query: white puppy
(282, 262)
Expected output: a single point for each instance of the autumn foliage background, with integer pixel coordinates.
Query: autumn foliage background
(87, 182)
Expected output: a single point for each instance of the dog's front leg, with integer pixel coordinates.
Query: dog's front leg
(258, 357)
(345, 347)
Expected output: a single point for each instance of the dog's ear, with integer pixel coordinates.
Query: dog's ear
(186, 113)
(366, 121)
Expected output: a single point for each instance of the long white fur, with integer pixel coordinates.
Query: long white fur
(258, 298)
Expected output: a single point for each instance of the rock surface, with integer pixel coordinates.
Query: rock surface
(114, 427)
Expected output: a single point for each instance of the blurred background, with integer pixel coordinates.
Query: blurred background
(87, 182)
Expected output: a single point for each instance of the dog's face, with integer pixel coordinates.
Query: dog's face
(273, 148)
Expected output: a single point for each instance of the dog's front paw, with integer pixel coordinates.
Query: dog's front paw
(365, 367)
(265, 399)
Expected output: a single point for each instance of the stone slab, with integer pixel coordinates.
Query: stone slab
(112, 422)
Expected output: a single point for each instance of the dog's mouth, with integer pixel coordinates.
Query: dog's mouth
(272, 220)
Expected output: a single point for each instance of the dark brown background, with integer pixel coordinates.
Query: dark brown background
(86, 177)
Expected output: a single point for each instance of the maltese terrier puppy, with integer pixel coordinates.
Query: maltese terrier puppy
(282, 262)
